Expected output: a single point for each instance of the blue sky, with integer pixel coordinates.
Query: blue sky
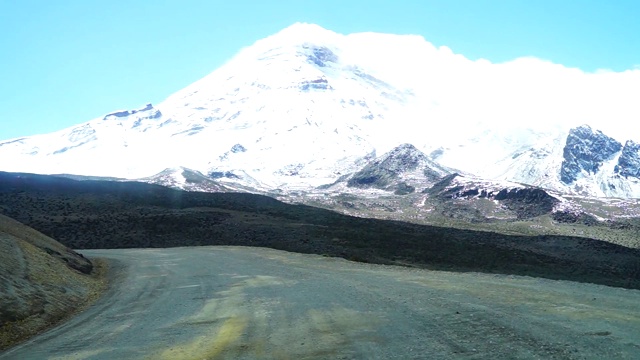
(65, 62)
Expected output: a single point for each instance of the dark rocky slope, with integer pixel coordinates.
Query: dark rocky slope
(95, 214)
(526, 202)
(586, 150)
(629, 160)
(399, 170)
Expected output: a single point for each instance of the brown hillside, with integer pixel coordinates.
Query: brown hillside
(41, 282)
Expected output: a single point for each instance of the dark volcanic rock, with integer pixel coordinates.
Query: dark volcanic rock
(12, 141)
(108, 214)
(385, 172)
(153, 113)
(569, 217)
(317, 84)
(223, 174)
(586, 150)
(404, 189)
(629, 161)
(237, 148)
(527, 202)
(441, 186)
(321, 55)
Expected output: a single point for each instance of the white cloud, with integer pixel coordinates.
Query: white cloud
(525, 91)
(452, 89)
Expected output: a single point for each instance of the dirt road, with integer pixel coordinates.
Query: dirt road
(255, 303)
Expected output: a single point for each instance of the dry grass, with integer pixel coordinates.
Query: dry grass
(37, 288)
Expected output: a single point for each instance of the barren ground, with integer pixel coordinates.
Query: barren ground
(247, 303)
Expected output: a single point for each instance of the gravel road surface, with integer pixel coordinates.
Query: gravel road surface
(255, 303)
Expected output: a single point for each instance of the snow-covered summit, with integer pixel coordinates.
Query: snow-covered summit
(307, 106)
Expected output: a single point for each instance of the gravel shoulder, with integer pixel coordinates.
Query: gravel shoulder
(247, 303)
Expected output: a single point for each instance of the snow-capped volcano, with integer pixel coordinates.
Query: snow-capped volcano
(294, 107)
(307, 106)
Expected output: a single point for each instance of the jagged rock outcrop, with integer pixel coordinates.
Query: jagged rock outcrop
(586, 150)
(315, 84)
(397, 169)
(629, 161)
(149, 110)
(525, 202)
(320, 55)
(237, 148)
(442, 186)
(569, 217)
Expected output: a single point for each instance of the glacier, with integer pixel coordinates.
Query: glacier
(306, 106)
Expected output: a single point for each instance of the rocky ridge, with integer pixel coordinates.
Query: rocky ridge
(585, 152)
(308, 106)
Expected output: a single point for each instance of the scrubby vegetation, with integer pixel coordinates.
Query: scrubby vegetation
(94, 214)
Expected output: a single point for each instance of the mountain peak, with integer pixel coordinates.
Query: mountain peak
(294, 36)
(629, 161)
(308, 106)
(400, 169)
(306, 32)
(404, 157)
(585, 152)
(186, 179)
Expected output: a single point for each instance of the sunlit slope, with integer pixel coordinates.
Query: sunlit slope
(41, 281)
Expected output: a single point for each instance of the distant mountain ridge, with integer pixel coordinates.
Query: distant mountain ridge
(401, 171)
(591, 158)
(586, 151)
(308, 107)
